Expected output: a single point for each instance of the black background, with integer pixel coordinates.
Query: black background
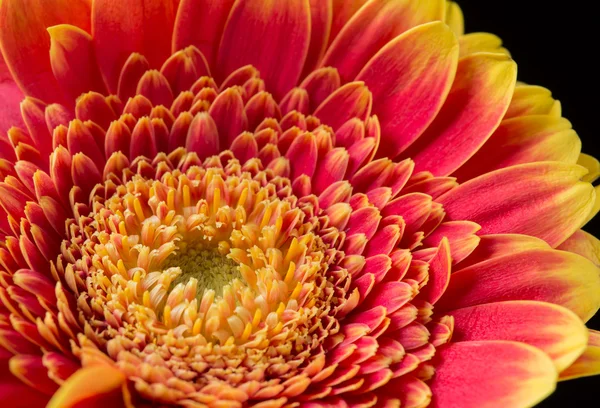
(555, 44)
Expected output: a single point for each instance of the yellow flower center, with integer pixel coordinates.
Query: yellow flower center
(211, 269)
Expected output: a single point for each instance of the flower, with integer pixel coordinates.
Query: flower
(284, 203)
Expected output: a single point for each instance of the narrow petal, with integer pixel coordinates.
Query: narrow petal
(353, 100)
(272, 36)
(478, 100)
(210, 16)
(439, 273)
(372, 27)
(588, 363)
(95, 386)
(11, 97)
(25, 42)
(120, 28)
(454, 18)
(410, 79)
(553, 329)
(524, 139)
(74, 61)
(343, 10)
(321, 17)
(544, 200)
(490, 374)
(546, 275)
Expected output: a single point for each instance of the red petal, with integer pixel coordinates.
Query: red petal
(544, 200)
(439, 274)
(272, 36)
(74, 61)
(490, 374)
(524, 140)
(353, 100)
(553, 329)
(321, 15)
(373, 26)
(120, 28)
(25, 41)
(546, 275)
(410, 79)
(478, 100)
(200, 23)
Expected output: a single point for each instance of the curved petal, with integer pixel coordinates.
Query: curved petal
(588, 363)
(372, 27)
(544, 200)
(584, 244)
(10, 112)
(73, 60)
(201, 23)
(121, 28)
(491, 374)
(478, 100)
(524, 139)
(546, 275)
(481, 42)
(455, 18)
(321, 16)
(25, 42)
(532, 100)
(96, 386)
(272, 36)
(553, 329)
(343, 10)
(13, 392)
(592, 165)
(410, 79)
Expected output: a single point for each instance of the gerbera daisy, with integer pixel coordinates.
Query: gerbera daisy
(300, 203)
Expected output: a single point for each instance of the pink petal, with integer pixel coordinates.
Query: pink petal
(478, 100)
(372, 27)
(546, 275)
(490, 374)
(273, 36)
(544, 200)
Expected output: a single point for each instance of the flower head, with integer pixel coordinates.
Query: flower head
(284, 203)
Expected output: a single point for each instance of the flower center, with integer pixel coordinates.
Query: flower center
(211, 269)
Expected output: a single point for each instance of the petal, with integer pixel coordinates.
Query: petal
(121, 28)
(410, 79)
(16, 394)
(490, 374)
(321, 16)
(10, 114)
(352, 100)
(372, 27)
(454, 18)
(496, 245)
(343, 10)
(592, 165)
(553, 329)
(25, 42)
(208, 14)
(589, 362)
(481, 42)
(544, 200)
(478, 100)
(270, 35)
(546, 275)
(95, 386)
(73, 60)
(439, 273)
(532, 100)
(583, 244)
(524, 139)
